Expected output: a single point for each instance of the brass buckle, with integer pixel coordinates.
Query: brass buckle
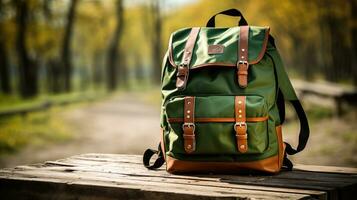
(240, 124)
(189, 125)
(244, 62)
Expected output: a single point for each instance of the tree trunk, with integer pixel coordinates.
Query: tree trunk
(54, 80)
(97, 72)
(113, 53)
(5, 81)
(66, 48)
(123, 70)
(156, 41)
(353, 6)
(27, 67)
(341, 61)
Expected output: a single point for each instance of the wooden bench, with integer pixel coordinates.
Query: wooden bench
(340, 95)
(115, 176)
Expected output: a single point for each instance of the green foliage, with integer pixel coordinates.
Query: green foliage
(318, 113)
(13, 102)
(36, 129)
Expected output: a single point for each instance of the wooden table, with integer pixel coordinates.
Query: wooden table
(113, 176)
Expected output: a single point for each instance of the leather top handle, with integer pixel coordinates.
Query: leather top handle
(230, 12)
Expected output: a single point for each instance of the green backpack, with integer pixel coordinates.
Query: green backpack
(223, 93)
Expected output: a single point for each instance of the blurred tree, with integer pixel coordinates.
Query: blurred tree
(27, 66)
(156, 49)
(113, 54)
(97, 73)
(353, 25)
(66, 55)
(49, 47)
(123, 71)
(336, 32)
(5, 78)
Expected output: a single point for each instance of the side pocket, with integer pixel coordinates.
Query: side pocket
(281, 149)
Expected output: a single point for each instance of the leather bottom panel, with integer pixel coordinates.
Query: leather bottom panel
(269, 165)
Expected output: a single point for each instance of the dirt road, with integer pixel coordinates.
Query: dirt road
(123, 124)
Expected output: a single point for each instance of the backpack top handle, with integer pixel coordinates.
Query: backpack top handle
(230, 12)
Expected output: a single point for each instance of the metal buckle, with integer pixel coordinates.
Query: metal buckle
(189, 125)
(243, 62)
(182, 67)
(240, 124)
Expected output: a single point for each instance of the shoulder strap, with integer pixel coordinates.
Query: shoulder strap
(184, 68)
(288, 94)
(149, 153)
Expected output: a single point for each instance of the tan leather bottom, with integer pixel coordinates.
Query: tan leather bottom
(271, 165)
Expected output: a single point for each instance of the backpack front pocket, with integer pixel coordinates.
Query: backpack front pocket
(217, 125)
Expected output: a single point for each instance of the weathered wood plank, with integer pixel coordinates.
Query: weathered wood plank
(113, 172)
(320, 181)
(86, 174)
(326, 178)
(193, 191)
(326, 169)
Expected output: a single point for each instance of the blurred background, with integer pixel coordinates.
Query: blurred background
(83, 76)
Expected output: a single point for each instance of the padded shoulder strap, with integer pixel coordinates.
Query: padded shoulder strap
(289, 94)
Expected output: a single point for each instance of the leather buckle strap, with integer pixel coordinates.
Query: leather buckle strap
(188, 126)
(240, 126)
(184, 67)
(242, 64)
(182, 70)
(182, 76)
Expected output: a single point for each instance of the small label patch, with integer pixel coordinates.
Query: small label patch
(215, 49)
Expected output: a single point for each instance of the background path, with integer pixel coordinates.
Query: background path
(122, 124)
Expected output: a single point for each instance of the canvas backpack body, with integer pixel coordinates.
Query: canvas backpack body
(223, 93)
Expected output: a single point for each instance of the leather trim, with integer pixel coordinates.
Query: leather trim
(162, 143)
(215, 49)
(222, 119)
(240, 126)
(179, 166)
(280, 144)
(242, 64)
(189, 125)
(213, 65)
(184, 68)
(260, 55)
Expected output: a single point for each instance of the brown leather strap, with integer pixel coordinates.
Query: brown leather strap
(218, 119)
(189, 125)
(242, 64)
(240, 126)
(184, 68)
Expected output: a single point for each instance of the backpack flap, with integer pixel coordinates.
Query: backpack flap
(216, 47)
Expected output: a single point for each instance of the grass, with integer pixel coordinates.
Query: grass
(12, 102)
(42, 127)
(36, 129)
(333, 139)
